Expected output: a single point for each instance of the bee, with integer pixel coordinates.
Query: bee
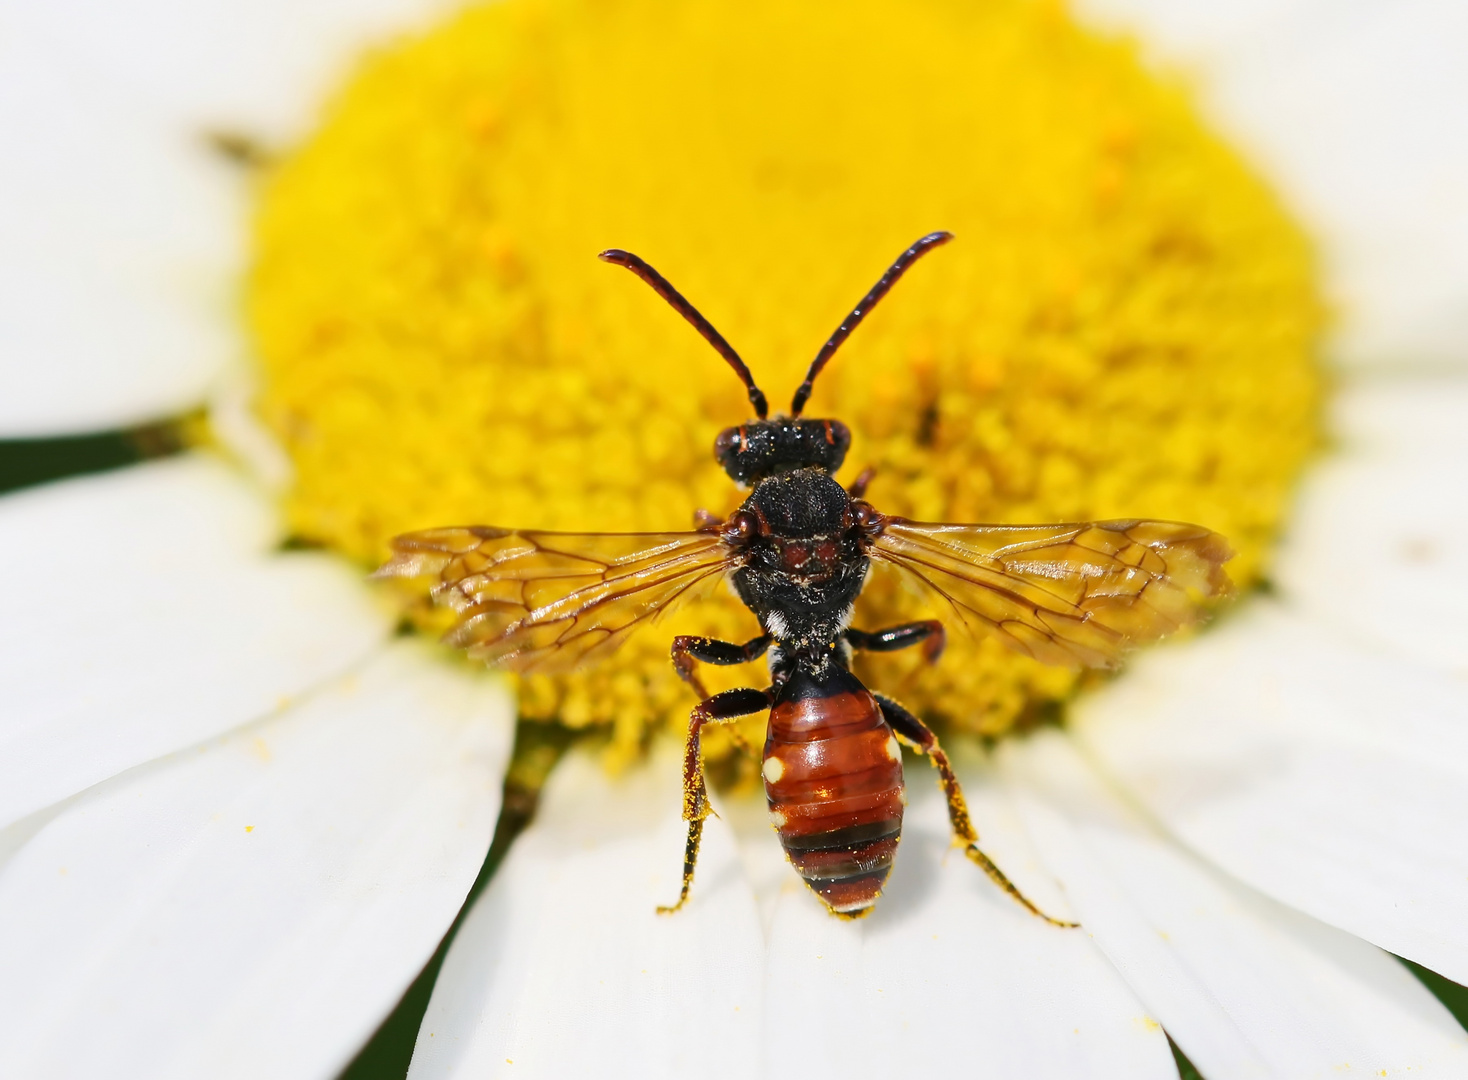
(797, 553)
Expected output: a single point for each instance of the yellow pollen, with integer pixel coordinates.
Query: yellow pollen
(1125, 325)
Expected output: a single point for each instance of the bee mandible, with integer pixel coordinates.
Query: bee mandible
(797, 553)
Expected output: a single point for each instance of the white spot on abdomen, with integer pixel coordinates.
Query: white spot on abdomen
(774, 769)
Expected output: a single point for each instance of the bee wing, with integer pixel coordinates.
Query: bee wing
(1076, 595)
(547, 602)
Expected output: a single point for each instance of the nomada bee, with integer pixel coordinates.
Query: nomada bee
(797, 553)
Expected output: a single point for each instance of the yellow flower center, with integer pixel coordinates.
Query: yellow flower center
(1125, 325)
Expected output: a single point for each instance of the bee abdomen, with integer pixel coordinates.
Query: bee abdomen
(847, 873)
(833, 778)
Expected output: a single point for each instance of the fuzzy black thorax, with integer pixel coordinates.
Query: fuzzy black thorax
(804, 562)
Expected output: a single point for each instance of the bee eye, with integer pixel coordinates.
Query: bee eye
(740, 528)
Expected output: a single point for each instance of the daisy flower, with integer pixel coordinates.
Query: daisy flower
(240, 815)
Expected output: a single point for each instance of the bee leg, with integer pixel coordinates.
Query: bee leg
(920, 737)
(858, 486)
(687, 649)
(723, 706)
(929, 633)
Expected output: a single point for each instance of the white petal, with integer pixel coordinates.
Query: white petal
(124, 237)
(1378, 546)
(146, 611)
(949, 976)
(254, 907)
(1329, 777)
(260, 67)
(564, 968)
(1247, 987)
(122, 241)
(1353, 111)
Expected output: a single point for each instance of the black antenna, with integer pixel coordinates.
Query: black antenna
(661, 286)
(858, 313)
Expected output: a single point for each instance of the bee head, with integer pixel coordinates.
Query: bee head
(761, 448)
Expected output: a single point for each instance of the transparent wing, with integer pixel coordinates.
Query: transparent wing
(1076, 595)
(546, 602)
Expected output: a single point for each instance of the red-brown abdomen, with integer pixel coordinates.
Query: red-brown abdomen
(833, 777)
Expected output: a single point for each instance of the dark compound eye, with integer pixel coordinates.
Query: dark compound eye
(740, 528)
(727, 442)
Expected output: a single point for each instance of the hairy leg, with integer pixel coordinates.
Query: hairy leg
(687, 649)
(723, 706)
(920, 737)
(929, 633)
